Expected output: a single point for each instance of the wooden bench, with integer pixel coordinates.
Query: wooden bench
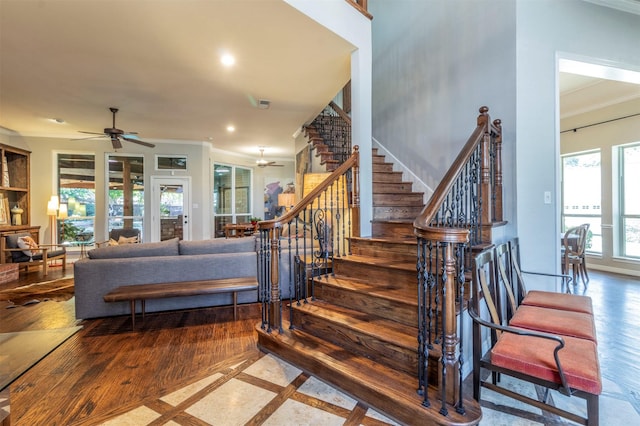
(143, 292)
(553, 348)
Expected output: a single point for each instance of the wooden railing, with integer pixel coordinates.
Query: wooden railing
(459, 216)
(304, 241)
(333, 125)
(361, 5)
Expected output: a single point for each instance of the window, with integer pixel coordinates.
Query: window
(581, 195)
(77, 193)
(231, 196)
(171, 162)
(126, 192)
(629, 200)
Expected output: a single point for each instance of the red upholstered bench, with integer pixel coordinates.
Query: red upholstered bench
(553, 348)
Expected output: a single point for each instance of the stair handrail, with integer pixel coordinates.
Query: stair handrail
(460, 213)
(311, 218)
(340, 112)
(361, 6)
(352, 162)
(423, 223)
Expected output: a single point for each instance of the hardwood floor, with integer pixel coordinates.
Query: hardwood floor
(107, 369)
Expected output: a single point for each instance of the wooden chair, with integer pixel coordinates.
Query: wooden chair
(546, 299)
(573, 252)
(555, 362)
(41, 256)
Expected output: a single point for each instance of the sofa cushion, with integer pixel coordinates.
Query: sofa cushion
(218, 245)
(163, 248)
(12, 243)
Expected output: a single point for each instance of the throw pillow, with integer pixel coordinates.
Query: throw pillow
(112, 242)
(28, 243)
(127, 240)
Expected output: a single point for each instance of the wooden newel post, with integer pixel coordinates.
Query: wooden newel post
(498, 172)
(275, 319)
(355, 200)
(486, 204)
(450, 345)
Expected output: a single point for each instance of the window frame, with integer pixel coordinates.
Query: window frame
(622, 216)
(584, 218)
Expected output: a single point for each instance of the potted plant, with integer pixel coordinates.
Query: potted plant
(254, 220)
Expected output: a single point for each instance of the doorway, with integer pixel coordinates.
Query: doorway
(170, 208)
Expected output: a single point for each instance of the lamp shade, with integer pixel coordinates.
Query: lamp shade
(81, 210)
(52, 208)
(286, 200)
(62, 212)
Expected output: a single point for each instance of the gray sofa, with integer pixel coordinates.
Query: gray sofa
(168, 261)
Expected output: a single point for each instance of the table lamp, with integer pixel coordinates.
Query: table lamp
(286, 200)
(62, 215)
(52, 212)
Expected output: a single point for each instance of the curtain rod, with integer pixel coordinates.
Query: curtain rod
(602, 122)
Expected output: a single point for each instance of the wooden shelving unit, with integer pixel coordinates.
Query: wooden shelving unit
(16, 193)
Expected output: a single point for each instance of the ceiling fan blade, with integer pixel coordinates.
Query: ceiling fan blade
(138, 141)
(90, 137)
(275, 165)
(116, 142)
(90, 133)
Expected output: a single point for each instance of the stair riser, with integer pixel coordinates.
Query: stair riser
(391, 187)
(391, 213)
(390, 309)
(373, 274)
(382, 167)
(395, 177)
(398, 358)
(386, 249)
(398, 199)
(392, 230)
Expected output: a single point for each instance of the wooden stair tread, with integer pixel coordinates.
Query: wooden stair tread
(386, 389)
(399, 240)
(410, 242)
(400, 294)
(378, 261)
(372, 325)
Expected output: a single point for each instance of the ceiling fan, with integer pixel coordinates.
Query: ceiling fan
(264, 163)
(116, 134)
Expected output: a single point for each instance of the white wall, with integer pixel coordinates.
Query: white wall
(435, 63)
(547, 30)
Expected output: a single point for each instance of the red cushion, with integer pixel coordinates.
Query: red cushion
(534, 356)
(564, 301)
(565, 323)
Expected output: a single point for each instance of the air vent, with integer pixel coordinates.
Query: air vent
(264, 104)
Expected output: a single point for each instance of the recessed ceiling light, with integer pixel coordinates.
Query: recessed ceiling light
(231, 128)
(227, 60)
(57, 120)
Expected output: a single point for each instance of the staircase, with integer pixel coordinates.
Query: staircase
(359, 331)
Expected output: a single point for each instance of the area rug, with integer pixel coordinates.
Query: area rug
(57, 290)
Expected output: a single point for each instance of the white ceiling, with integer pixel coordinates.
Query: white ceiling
(580, 94)
(159, 62)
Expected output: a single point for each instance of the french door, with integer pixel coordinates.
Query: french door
(170, 208)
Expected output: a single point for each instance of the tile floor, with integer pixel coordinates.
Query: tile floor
(270, 391)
